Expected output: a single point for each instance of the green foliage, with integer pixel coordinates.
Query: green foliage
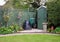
(19, 4)
(16, 3)
(6, 18)
(10, 29)
(57, 30)
(14, 27)
(53, 8)
(30, 0)
(5, 30)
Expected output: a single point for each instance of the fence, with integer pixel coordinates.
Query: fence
(15, 16)
(18, 16)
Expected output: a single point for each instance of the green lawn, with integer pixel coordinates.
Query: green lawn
(31, 38)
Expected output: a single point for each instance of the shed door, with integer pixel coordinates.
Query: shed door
(41, 17)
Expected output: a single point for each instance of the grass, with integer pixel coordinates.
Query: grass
(31, 38)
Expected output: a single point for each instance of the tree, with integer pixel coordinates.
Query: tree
(20, 4)
(53, 9)
(16, 3)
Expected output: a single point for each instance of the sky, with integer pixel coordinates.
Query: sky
(2, 2)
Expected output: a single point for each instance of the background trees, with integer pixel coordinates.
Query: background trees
(20, 3)
(53, 8)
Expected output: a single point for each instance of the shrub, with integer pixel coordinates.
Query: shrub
(14, 27)
(5, 30)
(57, 30)
(10, 29)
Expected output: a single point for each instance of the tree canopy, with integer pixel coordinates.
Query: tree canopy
(53, 9)
(20, 4)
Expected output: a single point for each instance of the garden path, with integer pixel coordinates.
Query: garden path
(30, 32)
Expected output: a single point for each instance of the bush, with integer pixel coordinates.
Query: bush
(10, 29)
(5, 30)
(57, 30)
(14, 28)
